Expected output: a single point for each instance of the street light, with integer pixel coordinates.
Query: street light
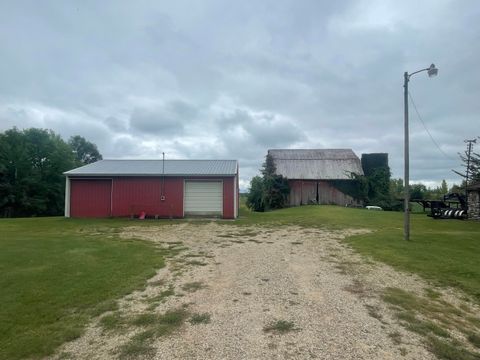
(432, 71)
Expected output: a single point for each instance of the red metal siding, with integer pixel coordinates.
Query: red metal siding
(228, 194)
(90, 198)
(126, 196)
(133, 195)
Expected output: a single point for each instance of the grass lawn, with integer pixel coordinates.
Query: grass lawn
(446, 252)
(56, 274)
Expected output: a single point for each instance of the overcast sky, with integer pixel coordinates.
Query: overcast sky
(229, 80)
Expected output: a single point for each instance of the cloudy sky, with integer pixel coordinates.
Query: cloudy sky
(229, 80)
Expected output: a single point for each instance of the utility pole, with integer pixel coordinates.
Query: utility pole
(406, 199)
(469, 153)
(432, 71)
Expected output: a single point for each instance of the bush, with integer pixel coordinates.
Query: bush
(270, 191)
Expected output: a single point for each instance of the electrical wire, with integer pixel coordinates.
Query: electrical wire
(426, 129)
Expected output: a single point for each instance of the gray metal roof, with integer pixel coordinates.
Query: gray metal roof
(316, 164)
(154, 168)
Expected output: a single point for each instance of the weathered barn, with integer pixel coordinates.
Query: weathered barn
(473, 193)
(317, 175)
(170, 189)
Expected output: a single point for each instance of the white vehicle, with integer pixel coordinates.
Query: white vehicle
(373, 207)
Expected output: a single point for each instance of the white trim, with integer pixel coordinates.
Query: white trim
(235, 197)
(67, 197)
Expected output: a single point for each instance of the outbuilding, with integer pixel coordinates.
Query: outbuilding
(473, 196)
(318, 176)
(157, 188)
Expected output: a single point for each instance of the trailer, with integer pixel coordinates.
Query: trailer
(453, 206)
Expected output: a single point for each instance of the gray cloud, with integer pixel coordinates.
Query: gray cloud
(230, 80)
(163, 121)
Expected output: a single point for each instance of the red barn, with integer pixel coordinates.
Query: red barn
(163, 189)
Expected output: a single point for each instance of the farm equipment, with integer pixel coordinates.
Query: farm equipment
(453, 206)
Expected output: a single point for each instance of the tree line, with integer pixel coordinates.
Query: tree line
(32, 162)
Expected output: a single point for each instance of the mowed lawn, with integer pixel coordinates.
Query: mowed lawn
(56, 274)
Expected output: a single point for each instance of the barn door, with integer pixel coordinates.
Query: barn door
(203, 198)
(90, 198)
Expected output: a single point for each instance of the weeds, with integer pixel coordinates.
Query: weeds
(193, 286)
(137, 346)
(200, 319)
(396, 337)
(414, 313)
(474, 339)
(196, 263)
(144, 319)
(112, 321)
(280, 327)
(374, 312)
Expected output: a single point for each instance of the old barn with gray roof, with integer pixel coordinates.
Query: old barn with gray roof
(317, 176)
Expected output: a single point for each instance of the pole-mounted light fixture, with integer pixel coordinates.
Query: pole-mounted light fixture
(431, 71)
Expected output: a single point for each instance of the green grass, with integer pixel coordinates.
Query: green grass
(435, 320)
(112, 321)
(137, 346)
(56, 274)
(154, 325)
(450, 350)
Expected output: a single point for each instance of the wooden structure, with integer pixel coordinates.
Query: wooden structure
(314, 175)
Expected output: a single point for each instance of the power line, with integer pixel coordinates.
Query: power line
(426, 129)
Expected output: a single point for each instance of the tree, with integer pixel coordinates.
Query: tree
(85, 152)
(31, 165)
(275, 186)
(379, 187)
(418, 192)
(471, 163)
(269, 191)
(255, 195)
(397, 188)
(444, 187)
(377, 176)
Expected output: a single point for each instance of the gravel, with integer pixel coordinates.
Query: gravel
(255, 276)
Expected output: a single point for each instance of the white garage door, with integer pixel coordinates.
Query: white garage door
(204, 198)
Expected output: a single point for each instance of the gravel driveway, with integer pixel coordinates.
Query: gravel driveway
(250, 277)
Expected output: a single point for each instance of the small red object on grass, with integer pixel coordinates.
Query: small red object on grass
(142, 215)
